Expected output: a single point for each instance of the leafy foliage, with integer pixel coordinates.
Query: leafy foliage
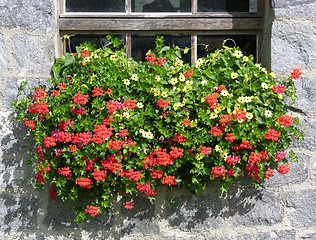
(113, 125)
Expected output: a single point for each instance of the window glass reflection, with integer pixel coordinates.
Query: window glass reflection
(95, 5)
(223, 6)
(209, 43)
(142, 43)
(99, 41)
(161, 5)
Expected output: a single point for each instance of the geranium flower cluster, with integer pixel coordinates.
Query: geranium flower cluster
(112, 125)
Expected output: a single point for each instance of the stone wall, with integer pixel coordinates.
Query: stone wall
(283, 209)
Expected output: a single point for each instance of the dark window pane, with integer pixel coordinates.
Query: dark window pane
(161, 5)
(247, 43)
(98, 40)
(142, 43)
(223, 5)
(95, 5)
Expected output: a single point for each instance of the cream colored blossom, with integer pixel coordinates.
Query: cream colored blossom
(198, 156)
(213, 115)
(204, 82)
(140, 105)
(193, 123)
(164, 94)
(238, 54)
(134, 77)
(233, 75)
(126, 82)
(245, 59)
(264, 85)
(126, 115)
(173, 81)
(189, 83)
(181, 77)
(249, 115)
(199, 63)
(224, 93)
(267, 113)
(157, 78)
(177, 105)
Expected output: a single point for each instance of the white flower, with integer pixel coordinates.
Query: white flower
(140, 105)
(164, 94)
(134, 77)
(199, 63)
(267, 113)
(189, 83)
(249, 115)
(126, 115)
(173, 81)
(245, 99)
(264, 70)
(272, 75)
(176, 106)
(233, 75)
(264, 85)
(112, 57)
(213, 115)
(157, 78)
(178, 62)
(145, 134)
(224, 93)
(181, 77)
(237, 54)
(245, 59)
(126, 82)
(204, 83)
(258, 65)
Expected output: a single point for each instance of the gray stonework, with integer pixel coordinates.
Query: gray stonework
(284, 208)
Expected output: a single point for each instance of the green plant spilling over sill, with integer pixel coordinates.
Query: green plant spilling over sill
(114, 126)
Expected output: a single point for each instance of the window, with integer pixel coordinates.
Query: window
(187, 23)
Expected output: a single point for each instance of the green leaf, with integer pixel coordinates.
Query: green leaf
(69, 60)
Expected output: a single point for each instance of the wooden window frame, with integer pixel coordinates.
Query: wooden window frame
(192, 23)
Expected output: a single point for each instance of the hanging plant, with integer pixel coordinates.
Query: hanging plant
(109, 125)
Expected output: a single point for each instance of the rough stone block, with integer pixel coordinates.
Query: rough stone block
(60, 216)
(3, 55)
(12, 87)
(196, 212)
(306, 95)
(303, 213)
(292, 45)
(29, 14)
(252, 207)
(17, 213)
(295, 8)
(34, 54)
(11, 176)
(297, 174)
(308, 128)
(277, 235)
(244, 237)
(309, 236)
(140, 219)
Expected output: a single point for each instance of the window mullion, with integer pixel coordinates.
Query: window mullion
(194, 6)
(128, 45)
(193, 48)
(128, 6)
